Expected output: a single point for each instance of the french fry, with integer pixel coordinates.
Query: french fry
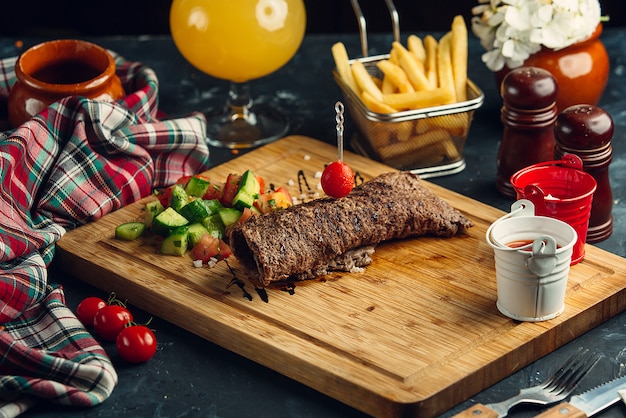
(457, 123)
(382, 136)
(433, 147)
(416, 47)
(364, 81)
(340, 55)
(396, 76)
(378, 82)
(426, 73)
(419, 99)
(420, 126)
(458, 49)
(387, 86)
(444, 65)
(376, 105)
(413, 67)
(393, 57)
(402, 131)
(430, 65)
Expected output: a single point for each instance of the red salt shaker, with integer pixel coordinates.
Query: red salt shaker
(528, 114)
(586, 131)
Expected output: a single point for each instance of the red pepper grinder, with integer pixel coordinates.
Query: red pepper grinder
(528, 114)
(586, 131)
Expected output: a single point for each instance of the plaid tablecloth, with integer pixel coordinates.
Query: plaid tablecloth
(75, 162)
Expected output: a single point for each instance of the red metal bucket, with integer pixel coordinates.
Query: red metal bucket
(561, 190)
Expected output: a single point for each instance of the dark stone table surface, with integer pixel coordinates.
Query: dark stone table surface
(191, 377)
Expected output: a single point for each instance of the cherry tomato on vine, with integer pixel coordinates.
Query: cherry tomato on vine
(337, 179)
(87, 308)
(136, 343)
(110, 320)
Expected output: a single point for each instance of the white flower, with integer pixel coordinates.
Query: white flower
(512, 30)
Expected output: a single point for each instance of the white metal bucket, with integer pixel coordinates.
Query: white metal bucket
(531, 279)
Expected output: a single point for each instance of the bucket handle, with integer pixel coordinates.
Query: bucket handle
(543, 261)
(535, 194)
(522, 207)
(567, 161)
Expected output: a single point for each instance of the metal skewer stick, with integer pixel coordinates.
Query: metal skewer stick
(339, 119)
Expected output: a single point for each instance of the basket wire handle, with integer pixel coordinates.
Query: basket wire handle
(395, 22)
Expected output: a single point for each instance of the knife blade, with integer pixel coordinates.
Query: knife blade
(589, 402)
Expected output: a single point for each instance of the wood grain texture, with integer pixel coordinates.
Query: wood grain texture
(415, 334)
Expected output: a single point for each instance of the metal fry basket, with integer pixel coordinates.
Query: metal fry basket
(427, 141)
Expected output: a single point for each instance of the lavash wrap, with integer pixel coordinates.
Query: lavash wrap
(309, 239)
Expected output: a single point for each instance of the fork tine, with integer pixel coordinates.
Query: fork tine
(565, 379)
(556, 387)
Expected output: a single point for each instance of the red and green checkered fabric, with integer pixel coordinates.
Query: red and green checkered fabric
(73, 163)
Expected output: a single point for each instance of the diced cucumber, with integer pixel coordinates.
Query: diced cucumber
(197, 186)
(249, 184)
(153, 208)
(179, 197)
(213, 205)
(195, 211)
(196, 231)
(229, 216)
(167, 221)
(243, 200)
(214, 225)
(248, 190)
(177, 242)
(129, 231)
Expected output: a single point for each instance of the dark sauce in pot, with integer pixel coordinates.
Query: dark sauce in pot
(66, 72)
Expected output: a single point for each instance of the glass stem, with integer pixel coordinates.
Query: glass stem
(240, 102)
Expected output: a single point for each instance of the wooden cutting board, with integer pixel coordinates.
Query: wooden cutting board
(415, 334)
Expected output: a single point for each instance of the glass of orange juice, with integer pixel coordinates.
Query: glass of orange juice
(239, 41)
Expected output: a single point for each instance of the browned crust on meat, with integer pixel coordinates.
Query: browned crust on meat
(295, 242)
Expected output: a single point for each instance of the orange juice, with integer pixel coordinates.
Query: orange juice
(237, 40)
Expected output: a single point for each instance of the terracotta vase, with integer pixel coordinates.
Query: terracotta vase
(581, 70)
(52, 70)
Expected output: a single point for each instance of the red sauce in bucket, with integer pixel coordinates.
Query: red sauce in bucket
(519, 243)
(523, 242)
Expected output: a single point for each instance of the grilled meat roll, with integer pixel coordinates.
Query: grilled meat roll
(313, 238)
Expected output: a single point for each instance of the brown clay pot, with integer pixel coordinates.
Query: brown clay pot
(581, 70)
(52, 70)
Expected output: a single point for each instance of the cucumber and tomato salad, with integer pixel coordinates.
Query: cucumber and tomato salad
(193, 214)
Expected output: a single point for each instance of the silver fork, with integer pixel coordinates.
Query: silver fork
(556, 388)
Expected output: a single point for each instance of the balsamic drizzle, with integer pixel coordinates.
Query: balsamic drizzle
(237, 281)
(302, 178)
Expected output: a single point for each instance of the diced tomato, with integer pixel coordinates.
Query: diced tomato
(210, 247)
(284, 197)
(262, 203)
(214, 191)
(164, 196)
(261, 181)
(225, 250)
(230, 189)
(269, 202)
(245, 215)
(183, 180)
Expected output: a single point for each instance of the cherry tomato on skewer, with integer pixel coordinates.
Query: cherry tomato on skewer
(337, 179)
